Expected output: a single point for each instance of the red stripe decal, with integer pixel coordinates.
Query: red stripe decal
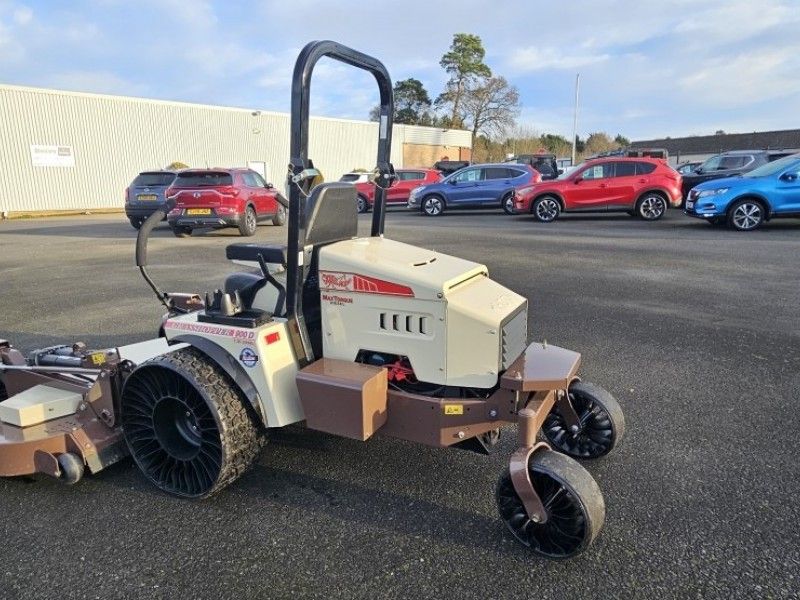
(351, 282)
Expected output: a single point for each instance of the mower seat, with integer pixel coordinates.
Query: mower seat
(271, 253)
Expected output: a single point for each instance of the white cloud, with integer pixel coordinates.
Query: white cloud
(647, 68)
(100, 82)
(532, 58)
(757, 76)
(22, 15)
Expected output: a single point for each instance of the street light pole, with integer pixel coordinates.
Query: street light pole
(575, 119)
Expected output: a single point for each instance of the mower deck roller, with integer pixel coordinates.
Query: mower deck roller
(364, 336)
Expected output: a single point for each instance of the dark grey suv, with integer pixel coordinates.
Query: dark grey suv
(145, 195)
(730, 164)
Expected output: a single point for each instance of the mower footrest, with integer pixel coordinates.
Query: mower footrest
(541, 367)
(343, 398)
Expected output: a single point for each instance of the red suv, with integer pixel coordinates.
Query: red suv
(223, 198)
(407, 180)
(639, 186)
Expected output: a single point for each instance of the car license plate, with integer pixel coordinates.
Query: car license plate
(689, 204)
(198, 211)
(147, 197)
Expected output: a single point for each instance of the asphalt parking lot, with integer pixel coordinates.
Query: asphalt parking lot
(693, 328)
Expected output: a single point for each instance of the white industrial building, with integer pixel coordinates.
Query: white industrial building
(66, 151)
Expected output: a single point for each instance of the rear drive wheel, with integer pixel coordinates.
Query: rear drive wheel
(136, 222)
(248, 224)
(182, 232)
(746, 215)
(602, 423)
(280, 217)
(433, 206)
(546, 209)
(187, 424)
(361, 204)
(508, 203)
(651, 206)
(573, 502)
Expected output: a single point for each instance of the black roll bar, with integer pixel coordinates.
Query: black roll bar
(301, 87)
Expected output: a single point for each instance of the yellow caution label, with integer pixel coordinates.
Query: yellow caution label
(98, 358)
(453, 409)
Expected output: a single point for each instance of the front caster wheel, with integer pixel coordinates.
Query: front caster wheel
(573, 502)
(602, 423)
(71, 466)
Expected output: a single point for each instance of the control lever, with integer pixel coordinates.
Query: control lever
(224, 304)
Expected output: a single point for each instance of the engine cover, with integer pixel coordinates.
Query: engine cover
(456, 326)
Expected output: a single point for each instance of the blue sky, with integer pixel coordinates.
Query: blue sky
(648, 69)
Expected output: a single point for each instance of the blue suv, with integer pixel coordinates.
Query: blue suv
(745, 202)
(476, 186)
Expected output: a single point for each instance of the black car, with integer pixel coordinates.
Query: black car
(447, 167)
(545, 164)
(687, 168)
(145, 195)
(730, 164)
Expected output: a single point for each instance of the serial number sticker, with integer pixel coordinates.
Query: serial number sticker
(453, 409)
(98, 358)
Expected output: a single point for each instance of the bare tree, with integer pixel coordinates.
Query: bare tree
(491, 106)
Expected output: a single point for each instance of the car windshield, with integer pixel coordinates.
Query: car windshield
(203, 178)
(572, 170)
(154, 179)
(723, 162)
(774, 167)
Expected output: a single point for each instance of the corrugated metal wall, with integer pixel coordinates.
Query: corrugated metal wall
(113, 138)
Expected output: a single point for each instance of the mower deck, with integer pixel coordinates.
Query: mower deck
(60, 413)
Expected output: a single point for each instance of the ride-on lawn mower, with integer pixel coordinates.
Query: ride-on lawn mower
(356, 336)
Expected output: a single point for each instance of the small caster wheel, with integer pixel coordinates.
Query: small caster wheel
(71, 466)
(602, 423)
(571, 497)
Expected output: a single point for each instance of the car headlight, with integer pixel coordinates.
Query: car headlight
(707, 193)
(524, 191)
(414, 193)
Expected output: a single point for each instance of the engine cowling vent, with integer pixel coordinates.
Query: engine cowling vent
(404, 323)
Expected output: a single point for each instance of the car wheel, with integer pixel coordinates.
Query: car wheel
(508, 203)
(433, 206)
(746, 215)
(136, 223)
(362, 204)
(651, 206)
(182, 232)
(546, 209)
(280, 217)
(247, 226)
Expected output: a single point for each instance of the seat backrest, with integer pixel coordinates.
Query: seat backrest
(331, 213)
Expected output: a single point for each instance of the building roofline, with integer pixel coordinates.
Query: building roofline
(178, 103)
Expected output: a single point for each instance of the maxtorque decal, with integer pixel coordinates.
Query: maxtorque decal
(352, 282)
(336, 299)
